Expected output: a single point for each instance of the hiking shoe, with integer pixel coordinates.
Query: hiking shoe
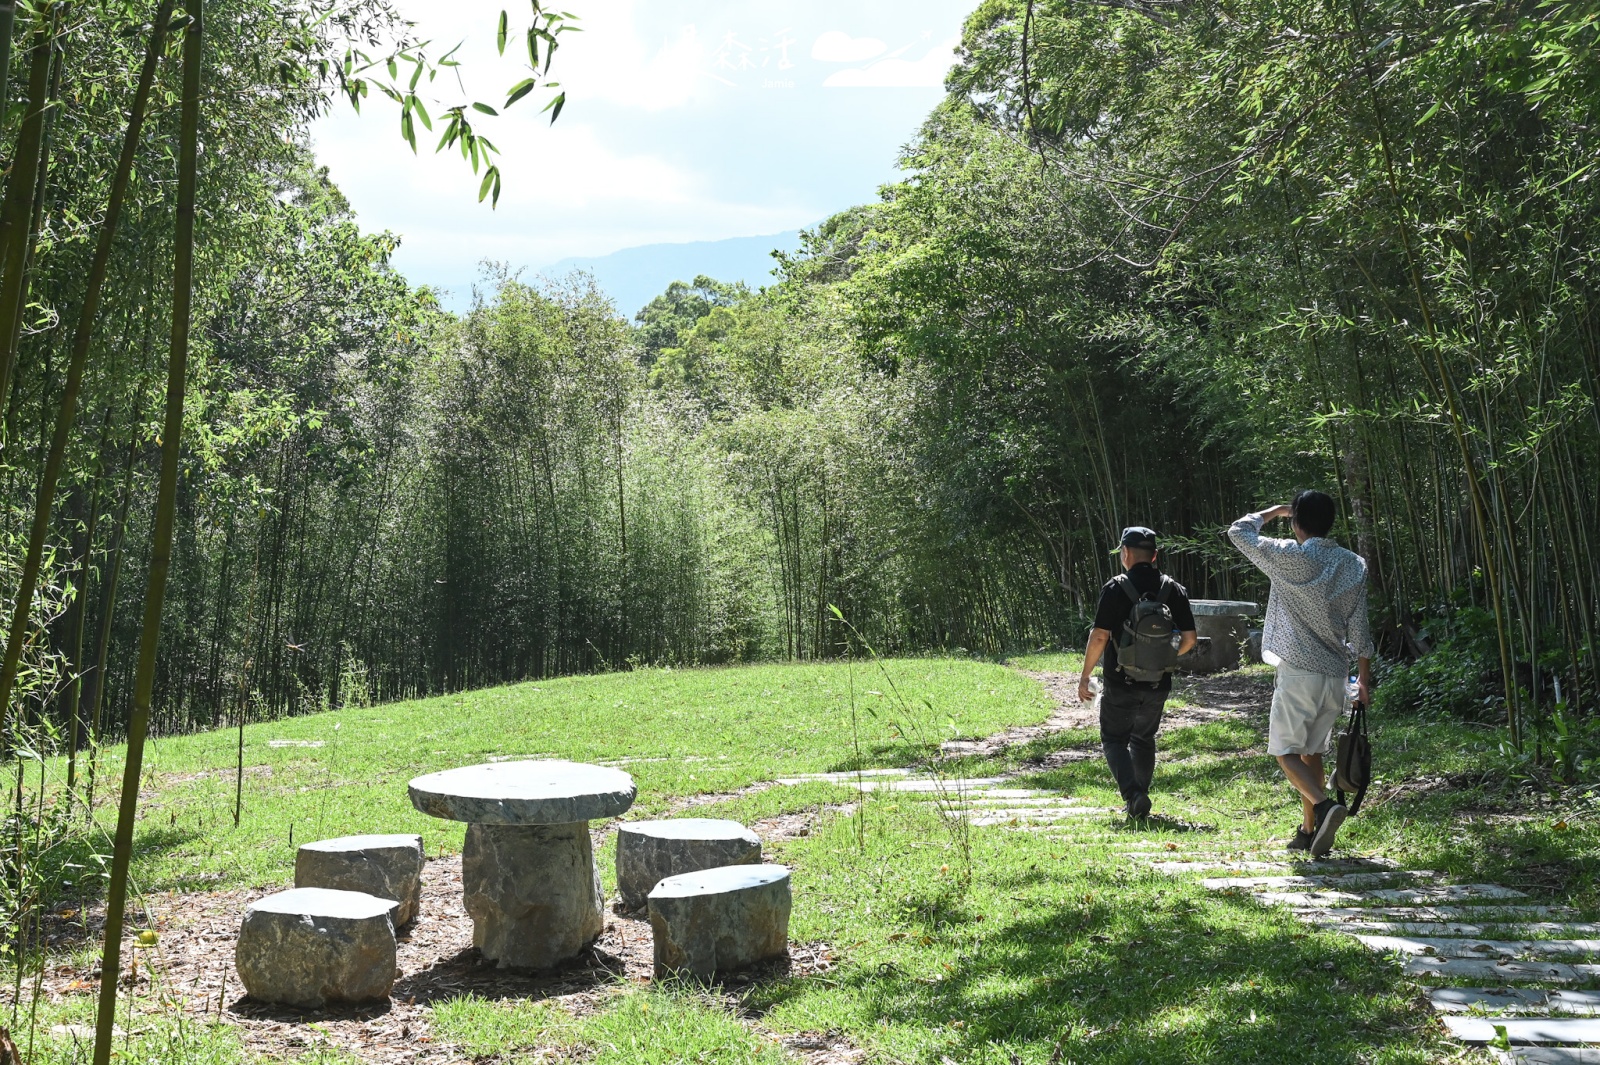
(1330, 815)
(1301, 841)
(1139, 807)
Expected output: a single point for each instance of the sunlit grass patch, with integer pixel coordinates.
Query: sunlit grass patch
(664, 1026)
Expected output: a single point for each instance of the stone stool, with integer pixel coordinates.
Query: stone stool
(389, 867)
(650, 851)
(719, 920)
(313, 946)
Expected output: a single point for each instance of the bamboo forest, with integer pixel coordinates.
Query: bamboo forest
(1145, 263)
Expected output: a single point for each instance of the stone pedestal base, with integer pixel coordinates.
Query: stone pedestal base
(533, 892)
(1228, 633)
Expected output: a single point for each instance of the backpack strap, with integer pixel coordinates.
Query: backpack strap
(1127, 588)
(1166, 589)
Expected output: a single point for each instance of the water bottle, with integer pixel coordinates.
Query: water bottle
(1352, 690)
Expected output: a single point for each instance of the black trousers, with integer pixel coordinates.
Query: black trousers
(1129, 718)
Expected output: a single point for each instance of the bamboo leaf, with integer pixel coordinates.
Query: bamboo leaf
(519, 90)
(500, 43)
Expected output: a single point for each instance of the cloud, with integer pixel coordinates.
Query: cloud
(628, 71)
(839, 47)
(896, 73)
(567, 192)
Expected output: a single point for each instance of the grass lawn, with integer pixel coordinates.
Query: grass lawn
(678, 732)
(1057, 949)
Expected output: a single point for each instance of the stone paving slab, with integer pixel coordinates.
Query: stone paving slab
(1303, 899)
(990, 820)
(1036, 798)
(899, 780)
(1514, 1000)
(970, 793)
(842, 778)
(1447, 928)
(1030, 811)
(1329, 865)
(1524, 1030)
(1448, 893)
(1443, 892)
(1334, 880)
(1551, 1056)
(1439, 918)
(1500, 971)
(1482, 948)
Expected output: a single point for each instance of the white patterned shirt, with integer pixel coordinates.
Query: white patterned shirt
(1317, 609)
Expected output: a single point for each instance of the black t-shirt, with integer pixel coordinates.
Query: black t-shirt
(1113, 611)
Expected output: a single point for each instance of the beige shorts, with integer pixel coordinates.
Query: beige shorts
(1305, 708)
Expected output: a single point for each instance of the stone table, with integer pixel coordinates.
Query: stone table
(1221, 624)
(528, 876)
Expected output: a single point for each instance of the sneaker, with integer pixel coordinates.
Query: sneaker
(1301, 841)
(1139, 807)
(1330, 815)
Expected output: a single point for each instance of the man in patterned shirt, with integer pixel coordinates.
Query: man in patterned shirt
(1316, 623)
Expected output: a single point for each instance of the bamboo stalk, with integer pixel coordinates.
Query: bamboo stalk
(161, 536)
(18, 207)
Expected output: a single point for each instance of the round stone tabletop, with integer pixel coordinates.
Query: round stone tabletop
(1224, 607)
(549, 792)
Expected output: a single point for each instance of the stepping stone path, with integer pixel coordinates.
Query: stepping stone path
(1498, 957)
(1502, 959)
(986, 800)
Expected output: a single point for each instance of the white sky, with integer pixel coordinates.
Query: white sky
(684, 121)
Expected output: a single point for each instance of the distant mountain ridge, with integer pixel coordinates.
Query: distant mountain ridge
(635, 276)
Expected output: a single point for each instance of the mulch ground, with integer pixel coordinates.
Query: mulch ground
(190, 971)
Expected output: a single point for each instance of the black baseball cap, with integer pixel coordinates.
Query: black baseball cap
(1140, 537)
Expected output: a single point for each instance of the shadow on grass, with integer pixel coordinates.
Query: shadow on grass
(1183, 980)
(69, 878)
(898, 755)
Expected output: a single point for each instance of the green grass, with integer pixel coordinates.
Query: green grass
(663, 1028)
(680, 732)
(1055, 949)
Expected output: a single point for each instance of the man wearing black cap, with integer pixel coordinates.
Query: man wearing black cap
(1130, 709)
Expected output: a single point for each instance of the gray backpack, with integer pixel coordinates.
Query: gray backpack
(1145, 651)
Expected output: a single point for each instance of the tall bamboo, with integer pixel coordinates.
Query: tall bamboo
(18, 207)
(161, 535)
(82, 337)
(8, 21)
